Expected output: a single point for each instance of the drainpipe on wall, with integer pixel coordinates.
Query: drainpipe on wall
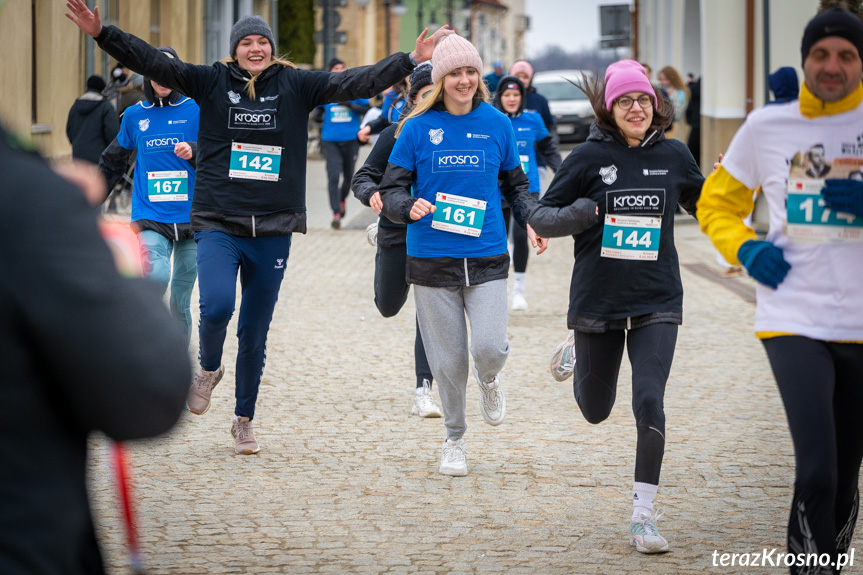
(750, 54)
(766, 34)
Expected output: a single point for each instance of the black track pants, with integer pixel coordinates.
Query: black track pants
(821, 385)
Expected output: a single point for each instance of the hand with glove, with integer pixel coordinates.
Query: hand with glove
(764, 262)
(844, 196)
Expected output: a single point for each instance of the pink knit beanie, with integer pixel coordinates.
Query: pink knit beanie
(623, 77)
(521, 66)
(451, 53)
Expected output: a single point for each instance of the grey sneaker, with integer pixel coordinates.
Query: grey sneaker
(563, 358)
(244, 436)
(198, 400)
(424, 404)
(453, 461)
(372, 234)
(645, 536)
(492, 401)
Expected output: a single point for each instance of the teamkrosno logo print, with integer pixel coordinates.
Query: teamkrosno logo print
(458, 161)
(144, 124)
(233, 97)
(609, 174)
(436, 136)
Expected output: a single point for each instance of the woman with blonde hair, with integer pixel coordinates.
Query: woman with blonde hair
(250, 193)
(675, 90)
(451, 151)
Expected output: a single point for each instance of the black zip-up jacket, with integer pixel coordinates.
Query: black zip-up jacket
(605, 172)
(366, 181)
(277, 117)
(446, 272)
(90, 126)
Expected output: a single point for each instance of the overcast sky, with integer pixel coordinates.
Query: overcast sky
(571, 24)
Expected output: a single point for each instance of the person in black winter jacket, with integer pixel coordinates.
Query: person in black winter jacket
(616, 195)
(84, 349)
(250, 187)
(92, 122)
(391, 287)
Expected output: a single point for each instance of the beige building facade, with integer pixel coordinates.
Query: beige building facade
(48, 59)
(496, 27)
(732, 45)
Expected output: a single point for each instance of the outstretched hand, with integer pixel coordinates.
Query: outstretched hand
(89, 22)
(425, 46)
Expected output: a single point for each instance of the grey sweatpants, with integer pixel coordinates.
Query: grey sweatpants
(441, 312)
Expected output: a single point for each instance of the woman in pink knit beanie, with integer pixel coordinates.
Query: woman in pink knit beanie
(458, 155)
(616, 195)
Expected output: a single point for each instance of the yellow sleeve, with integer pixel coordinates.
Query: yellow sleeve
(723, 204)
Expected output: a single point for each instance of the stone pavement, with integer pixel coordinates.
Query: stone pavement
(346, 480)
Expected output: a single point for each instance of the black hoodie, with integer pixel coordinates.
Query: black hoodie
(91, 125)
(234, 127)
(606, 173)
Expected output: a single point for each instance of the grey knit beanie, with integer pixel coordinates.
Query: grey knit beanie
(453, 52)
(248, 25)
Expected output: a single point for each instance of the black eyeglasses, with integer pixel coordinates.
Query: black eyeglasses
(625, 102)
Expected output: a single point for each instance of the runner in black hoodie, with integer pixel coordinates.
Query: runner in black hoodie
(616, 195)
(250, 193)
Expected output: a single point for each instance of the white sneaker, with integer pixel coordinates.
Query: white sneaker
(453, 460)
(519, 303)
(492, 401)
(372, 234)
(645, 536)
(424, 404)
(563, 358)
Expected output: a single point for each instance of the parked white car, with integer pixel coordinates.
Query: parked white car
(570, 107)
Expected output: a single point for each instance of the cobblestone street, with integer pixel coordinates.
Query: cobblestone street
(346, 480)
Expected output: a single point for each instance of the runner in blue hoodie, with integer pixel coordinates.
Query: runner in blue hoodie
(163, 129)
(534, 142)
(339, 144)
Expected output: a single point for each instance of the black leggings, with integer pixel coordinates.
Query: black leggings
(520, 246)
(341, 159)
(821, 385)
(651, 351)
(391, 293)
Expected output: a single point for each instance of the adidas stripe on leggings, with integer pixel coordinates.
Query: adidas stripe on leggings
(651, 351)
(821, 384)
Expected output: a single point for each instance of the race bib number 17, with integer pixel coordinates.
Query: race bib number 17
(809, 220)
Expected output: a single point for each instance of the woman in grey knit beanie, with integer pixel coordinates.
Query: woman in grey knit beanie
(250, 192)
